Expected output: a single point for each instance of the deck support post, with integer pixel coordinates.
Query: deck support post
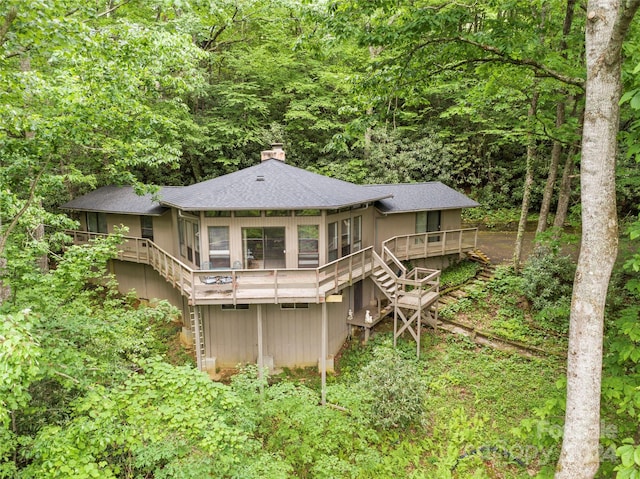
(197, 339)
(260, 351)
(323, 354)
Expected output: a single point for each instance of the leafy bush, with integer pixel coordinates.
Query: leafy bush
(547, 284)
(392, 389)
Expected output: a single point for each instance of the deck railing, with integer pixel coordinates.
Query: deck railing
(313, 285)
(436, 243)
(233, 286)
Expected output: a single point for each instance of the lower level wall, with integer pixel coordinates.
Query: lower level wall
(290, 337)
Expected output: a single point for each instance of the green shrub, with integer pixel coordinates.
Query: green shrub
(547, 284)
(392, 388)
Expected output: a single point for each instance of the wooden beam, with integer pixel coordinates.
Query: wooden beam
(197, 339)
(323, 352)
(260, 351)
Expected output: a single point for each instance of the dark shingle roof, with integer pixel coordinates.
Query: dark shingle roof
(116, 199)
(271, 184)
(419, 197)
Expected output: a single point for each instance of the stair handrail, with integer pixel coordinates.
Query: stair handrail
(386, 253)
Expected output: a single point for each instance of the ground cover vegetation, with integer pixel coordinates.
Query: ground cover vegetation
(485, 96)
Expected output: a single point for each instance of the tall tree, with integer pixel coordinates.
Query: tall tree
(607, 25)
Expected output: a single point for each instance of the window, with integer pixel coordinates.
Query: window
(308, 250)
(96, 222)
(294, 305)
(233, 307)
(219, 255)
(357, 233)
(189, 239)
(146, 227)
(264, 247)
(181, 241)
(346, 236)
(271, 213)
(307, 212)
(332, 241)
(196, 243)
(217, 214)
(248, 214)
(428, 221)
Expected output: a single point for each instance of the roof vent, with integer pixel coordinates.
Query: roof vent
(260, 178)
(276, 152)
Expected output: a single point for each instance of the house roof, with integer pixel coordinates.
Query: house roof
(409, 197)
(117, 199)
(273, 185)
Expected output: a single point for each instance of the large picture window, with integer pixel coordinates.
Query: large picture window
(308, 250)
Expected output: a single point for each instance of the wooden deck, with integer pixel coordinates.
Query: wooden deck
(429, 245)
(245, 286)
(240, 286)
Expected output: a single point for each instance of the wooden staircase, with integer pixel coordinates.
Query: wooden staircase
(478, 256)
(413, 295)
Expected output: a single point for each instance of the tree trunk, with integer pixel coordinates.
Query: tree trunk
(550, 185)
(564, 194)
(556, 152)
(607, 25)
(528, 183)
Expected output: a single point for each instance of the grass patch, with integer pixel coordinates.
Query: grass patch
(458, 274)
(475, 397)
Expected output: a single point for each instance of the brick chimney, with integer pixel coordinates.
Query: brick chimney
(276, 152)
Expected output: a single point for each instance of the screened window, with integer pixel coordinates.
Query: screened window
(96, 222)
(332, 241)
(346, 237)
(357, 233)
(181, 237)
(146, 227)
(308, 246)
(264, 247)
(428, 221)
(219, 255)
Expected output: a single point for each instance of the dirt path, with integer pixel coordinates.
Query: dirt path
(499, 245)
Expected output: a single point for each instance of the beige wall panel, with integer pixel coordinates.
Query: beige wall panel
(147, 283)
(451, 219)
(130, 221)
(164, 233)
(291, 337)
(231, 336)
(394, 225)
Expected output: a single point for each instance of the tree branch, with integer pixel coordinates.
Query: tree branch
(8, 20)
(579, 82)
(112, 9)
(32, 191)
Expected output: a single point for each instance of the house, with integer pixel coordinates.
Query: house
(275, 264)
